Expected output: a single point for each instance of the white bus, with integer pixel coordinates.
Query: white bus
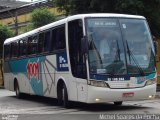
(90, 58)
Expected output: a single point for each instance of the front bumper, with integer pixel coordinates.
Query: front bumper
(102, 95)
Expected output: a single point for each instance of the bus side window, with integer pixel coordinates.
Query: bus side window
(58, 38)
(44, 42)
(32, 45)
(47, 41)
(53, 44)
(22, 47)
(14, 49)
(41, 39)
(7, 51)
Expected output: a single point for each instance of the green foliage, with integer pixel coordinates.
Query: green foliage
(4, 34)
(130, 6)
(148, 8)
(64, 5)
(41, 16)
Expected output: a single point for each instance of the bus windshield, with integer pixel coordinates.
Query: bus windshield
(119, 46)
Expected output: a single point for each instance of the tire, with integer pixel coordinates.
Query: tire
(63, 97)
(17, 91)
(118, 103)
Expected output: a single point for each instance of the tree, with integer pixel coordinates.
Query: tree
(41, 16)
(148, 8)
(4, 34)
(64, 5)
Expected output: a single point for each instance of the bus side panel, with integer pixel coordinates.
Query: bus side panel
(39, 75)
(23, 83)
(32, 73)
(12, 71)
(52, 69)
(70, 84)
(8, 76)
(82, 90)
(64, 74)
(48, 71)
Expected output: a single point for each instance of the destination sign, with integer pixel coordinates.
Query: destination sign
(102, 23)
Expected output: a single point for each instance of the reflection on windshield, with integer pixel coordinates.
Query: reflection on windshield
(107, 54)
(139, 42)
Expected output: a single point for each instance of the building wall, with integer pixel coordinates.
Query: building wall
(24, 19)
(10, 21)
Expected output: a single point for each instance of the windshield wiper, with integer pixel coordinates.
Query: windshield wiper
(118, 57)
(92, 46)
(131, 55)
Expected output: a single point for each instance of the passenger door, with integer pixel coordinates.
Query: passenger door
(77, 60)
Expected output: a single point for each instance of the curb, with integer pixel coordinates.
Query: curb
(1, 87)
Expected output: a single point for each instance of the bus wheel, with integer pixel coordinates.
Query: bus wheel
(18, 93)
(63, 97)
(118, 103)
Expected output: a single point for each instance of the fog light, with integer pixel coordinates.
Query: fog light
(97, 99)
(151, 96)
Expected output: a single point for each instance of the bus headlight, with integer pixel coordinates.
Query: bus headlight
(151, 81)
(98, 83)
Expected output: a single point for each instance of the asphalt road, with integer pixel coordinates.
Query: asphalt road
(42, 108)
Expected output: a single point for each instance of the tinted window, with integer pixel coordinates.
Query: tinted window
(58, 38)
(14, 49)
(140, 55)
(41, 42)
(106, 50)
(7, 51)
(32, 45)
(75, 34)
(23, 47)
(44, 42)
(47, 41)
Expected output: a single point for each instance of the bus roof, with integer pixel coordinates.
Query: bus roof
(9, 40)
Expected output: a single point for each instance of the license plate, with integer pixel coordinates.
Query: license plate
(129, 94)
